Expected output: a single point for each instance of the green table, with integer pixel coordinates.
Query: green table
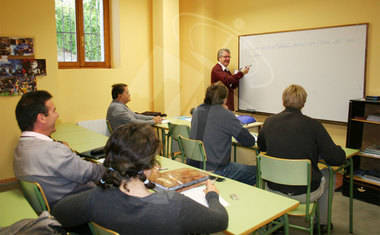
(252, 207)
(184, 120)
(332, 170)
(14, 207)
(79, 138)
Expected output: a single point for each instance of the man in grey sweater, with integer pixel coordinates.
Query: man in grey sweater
(38, 158)
(215, 125)
(119, 114)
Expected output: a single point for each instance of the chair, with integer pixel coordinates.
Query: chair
(193, 149)
(176, 130)
(96, 229)
(290, 172)
(109, 127)
(99, 126)
(35, 196)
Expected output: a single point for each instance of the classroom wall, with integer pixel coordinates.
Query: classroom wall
(79, 94)
(26, 19)
(204, 27)
(86, 93)
(207, 26)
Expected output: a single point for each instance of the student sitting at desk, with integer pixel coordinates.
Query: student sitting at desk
(118, 112)
(215, 125)
(292, 135)
(38, 158)
(126, 204)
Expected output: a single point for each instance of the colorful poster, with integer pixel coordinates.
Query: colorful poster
(5, 46)
(21, 46)
(19, 76)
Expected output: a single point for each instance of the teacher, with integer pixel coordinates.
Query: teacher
(220, 72)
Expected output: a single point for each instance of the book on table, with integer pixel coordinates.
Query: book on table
(178, 178)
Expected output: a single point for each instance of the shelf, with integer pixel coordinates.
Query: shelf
(365, 121)
(365, 134)
(358, 178)
(375, 156)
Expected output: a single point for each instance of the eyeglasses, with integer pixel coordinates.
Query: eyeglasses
(227, 56)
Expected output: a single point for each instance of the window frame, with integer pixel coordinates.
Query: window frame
(81, 63)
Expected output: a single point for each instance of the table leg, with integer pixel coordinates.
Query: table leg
(163, 138)
(234, 146)
(351, 195)
(286, 224)
(331, 191)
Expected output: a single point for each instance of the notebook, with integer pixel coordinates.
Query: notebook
(198, 195)
(178, 179)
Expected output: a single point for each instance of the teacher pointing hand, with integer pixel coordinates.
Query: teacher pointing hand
(220, 72)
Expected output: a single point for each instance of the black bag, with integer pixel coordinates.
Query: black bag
(149, 113)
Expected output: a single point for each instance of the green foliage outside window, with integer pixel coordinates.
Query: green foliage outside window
(93, 30)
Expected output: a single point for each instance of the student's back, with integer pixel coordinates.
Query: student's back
(125, 202)
(158, 213)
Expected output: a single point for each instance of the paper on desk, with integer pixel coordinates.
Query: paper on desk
(165, 121)
(254, 136)
(101, 160)
(186, 118)
(199, 196)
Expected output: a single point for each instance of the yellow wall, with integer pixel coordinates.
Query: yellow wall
(87, 92)
(80, 94)
(26, 19)
(209, 25)
(204, 27)
(166, 70)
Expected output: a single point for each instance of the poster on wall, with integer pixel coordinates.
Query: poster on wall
(18, 68)
(16, 47)
(5, 46)
(19, 76)
(21, 46)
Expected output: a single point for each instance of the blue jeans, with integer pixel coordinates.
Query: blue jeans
(242, 173)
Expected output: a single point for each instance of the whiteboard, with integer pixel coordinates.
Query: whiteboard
(328, 62)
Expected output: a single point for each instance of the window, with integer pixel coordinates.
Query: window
(82, 33)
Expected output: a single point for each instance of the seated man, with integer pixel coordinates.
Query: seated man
(292, 135)
(118, 113)
(215, 125)
(38, 158)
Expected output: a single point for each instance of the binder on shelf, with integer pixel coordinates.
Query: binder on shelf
(374, 117)
(372, 149)
(372, 98)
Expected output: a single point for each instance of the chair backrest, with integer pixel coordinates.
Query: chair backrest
(285, 171)
(99, 126)
(96, 229)
(109, 127)
(35, 196)
(193, 149)
(176, 130)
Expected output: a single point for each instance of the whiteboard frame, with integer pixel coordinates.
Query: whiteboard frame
(310, 29)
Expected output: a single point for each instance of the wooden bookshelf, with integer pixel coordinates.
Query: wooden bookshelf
(365, 121)
(361, 134)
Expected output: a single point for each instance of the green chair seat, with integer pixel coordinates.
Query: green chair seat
(96, 229)
(301, 210)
